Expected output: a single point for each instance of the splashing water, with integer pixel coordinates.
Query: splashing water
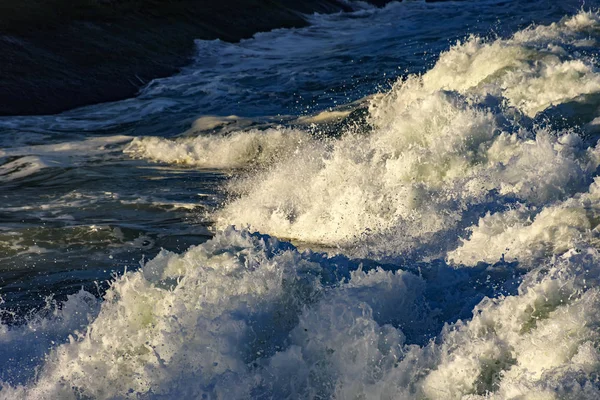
(459, 212)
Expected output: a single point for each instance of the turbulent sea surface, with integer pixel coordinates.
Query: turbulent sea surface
(397, 203)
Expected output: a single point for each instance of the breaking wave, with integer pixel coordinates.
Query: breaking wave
(466, 220)
(468, 135)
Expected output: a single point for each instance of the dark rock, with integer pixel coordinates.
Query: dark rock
(61, 54)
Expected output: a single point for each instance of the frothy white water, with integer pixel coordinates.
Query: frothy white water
(21, 167)
(244, 315)
(443, 145)
(539, 344)
(536, 68)
(520, 234)
(239, 149)
(26, 346)
(412, 178)
(455, 167)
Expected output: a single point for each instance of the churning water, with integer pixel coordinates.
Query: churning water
(389, 204)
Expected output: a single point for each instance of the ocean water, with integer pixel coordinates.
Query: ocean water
(397, 203)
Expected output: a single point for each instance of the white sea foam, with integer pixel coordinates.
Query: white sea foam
(236, 150)
(91, 146)
(527, 236)
(541, 343)
(22, 167)
(414, 176)
(324, 116)
(244, 315)
(211, 122)
(454, 167)
(23, 347)
(442, 145)
(532, 70)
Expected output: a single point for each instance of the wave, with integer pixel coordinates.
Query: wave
(246, 316)
(24, 161)
(524, 235)
(467, 223)
(239, 149)
(461, 138)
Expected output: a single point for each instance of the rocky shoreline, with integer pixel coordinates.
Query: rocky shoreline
(59, 54)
